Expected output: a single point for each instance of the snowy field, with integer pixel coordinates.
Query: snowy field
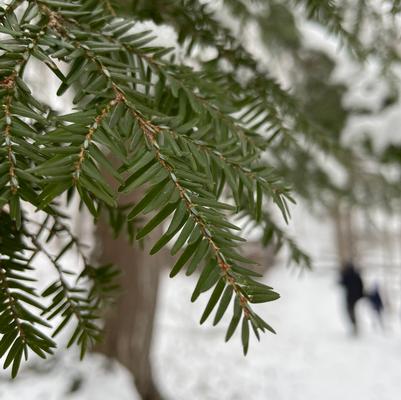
(311, 358)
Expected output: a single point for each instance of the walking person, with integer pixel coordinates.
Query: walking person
(352, 282)
(376, 302)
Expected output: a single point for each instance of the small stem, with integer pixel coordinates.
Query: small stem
(79, 246)
(64, 284)
(10, 154)
(89, 136)
(110, 8)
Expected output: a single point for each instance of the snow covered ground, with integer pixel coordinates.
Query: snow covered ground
(66, 378)
(312, 357)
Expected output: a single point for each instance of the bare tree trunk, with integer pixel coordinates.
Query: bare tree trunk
(344, 233)
(129, 324)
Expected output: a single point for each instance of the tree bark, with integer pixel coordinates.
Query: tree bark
(129, 324)
(344, 233)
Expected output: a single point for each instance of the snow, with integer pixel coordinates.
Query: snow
(65, 377)
(312, 356)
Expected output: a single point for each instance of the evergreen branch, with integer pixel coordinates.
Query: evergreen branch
(261, 174)
(67, 302)
(64, 285)
(245, 289)
(271, 99)
(242, 285)
(176, 81)
(9, 83)
(10, 302)
(329, 16)
(183, 134)
(17, 323)
(151, 131)
(168, 71)
(101, 279)
(57, 228)
(173, 76)
(58, 25)
(4, 12)
(229, 48)
(275, 236)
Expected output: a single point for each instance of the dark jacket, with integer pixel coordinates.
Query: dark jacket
(352, 282)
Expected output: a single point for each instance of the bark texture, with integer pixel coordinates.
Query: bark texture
(344, 234)
(129, 323)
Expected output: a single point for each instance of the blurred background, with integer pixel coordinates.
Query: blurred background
(332, 341)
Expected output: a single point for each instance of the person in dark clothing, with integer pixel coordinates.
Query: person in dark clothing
(376, 302)
(351, 280)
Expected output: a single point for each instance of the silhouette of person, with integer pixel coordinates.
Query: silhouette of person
(377, 303)
(351, 280)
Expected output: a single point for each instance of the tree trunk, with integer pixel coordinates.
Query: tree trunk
(129, 323)
(344, 233)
